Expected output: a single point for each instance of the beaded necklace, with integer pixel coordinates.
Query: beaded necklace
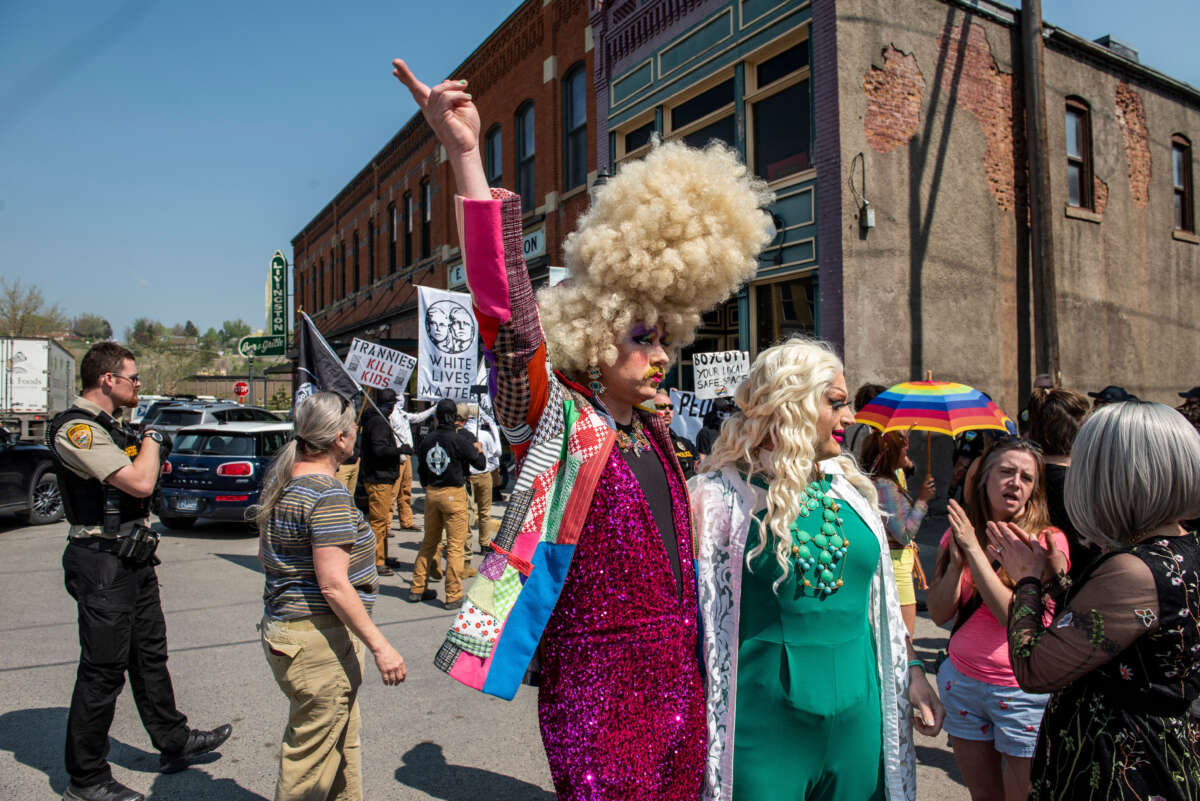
(635, 439)
(824, 552)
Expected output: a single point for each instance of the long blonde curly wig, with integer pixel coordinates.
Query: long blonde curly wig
(774, 435)
(667, 238)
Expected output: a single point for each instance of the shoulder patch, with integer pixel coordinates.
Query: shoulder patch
(80, 436)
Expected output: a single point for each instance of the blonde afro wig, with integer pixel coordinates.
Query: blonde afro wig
(667, 238)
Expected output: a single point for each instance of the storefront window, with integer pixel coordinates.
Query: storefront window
(785, 308)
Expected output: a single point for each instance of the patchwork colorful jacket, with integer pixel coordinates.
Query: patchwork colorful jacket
(561, 442)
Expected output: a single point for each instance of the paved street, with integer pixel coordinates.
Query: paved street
(422, 740)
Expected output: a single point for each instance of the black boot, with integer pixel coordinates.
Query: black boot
(111, 790)
(198, 742)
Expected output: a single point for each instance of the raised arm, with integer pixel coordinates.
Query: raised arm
(490, 232)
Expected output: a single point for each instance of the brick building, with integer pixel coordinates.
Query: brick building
(358, 262)
(914, 109)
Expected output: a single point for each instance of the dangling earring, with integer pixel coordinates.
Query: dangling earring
(594, 384)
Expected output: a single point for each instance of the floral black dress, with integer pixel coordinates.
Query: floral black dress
(1123, 661)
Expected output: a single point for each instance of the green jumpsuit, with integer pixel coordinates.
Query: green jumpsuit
(809, 725)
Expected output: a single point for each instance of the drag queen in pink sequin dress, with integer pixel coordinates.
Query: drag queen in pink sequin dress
(591, 573)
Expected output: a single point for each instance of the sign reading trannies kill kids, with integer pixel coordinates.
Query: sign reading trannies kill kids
(377, 366)
(718, 375)
(448, 357)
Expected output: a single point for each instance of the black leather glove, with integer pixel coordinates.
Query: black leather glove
(162, 438)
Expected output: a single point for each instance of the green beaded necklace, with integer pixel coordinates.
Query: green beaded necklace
(821, 553)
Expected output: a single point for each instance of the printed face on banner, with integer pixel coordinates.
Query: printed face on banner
(447, 363)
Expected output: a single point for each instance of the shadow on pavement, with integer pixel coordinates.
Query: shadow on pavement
(425, 769)
(35, 737)
(940, 758)
(248, 561)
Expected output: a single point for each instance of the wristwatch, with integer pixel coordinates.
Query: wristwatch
(155, 435)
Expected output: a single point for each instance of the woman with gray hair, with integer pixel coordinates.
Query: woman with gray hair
(318, 555)
(1122, 655)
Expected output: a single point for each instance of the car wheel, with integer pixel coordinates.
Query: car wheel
(177, 522)
(45, 499)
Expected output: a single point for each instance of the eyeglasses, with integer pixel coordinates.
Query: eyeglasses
(132, 379)
(664, 407)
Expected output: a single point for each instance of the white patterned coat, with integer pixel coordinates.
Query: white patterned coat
(723, 505)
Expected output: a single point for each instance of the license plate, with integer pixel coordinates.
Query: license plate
(187, 504)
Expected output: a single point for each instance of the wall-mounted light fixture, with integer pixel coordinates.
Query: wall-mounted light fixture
(866, 214)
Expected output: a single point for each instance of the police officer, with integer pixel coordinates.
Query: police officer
(685, 450)
(107, 477)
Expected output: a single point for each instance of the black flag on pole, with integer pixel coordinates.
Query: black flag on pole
(319, 369)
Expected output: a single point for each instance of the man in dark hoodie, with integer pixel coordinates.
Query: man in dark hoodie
(717, 414)
(380, 472)
(444, 457)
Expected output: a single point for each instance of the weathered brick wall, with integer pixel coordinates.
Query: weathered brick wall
(894, 93)
(1131, 116)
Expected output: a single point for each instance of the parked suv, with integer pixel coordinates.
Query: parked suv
(216, 471)
(174, 415)
(28, 481)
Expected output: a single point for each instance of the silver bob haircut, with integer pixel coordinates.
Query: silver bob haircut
(1134, 467)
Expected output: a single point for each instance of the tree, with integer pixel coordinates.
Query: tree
(233, 330)
(145, 332)
(177, 330)
(91, 326)
(190, 329)
(23, 311)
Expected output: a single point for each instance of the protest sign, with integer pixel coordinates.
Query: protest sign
(377, 366)
(689, 413)
(447, 360)
(718, 375)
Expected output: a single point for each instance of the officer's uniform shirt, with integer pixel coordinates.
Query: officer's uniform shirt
(88, 450)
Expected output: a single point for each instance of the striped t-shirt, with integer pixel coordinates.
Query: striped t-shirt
(313, 511)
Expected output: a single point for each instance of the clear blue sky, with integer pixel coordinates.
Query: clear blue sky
(153, 155)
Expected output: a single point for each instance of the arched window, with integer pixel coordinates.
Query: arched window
(370, 252)
(1079, 154)
(426, 215)
(408, 229)
(493, 156)
(574, 128)
(1181, 180)
(357, 275)
(392, 238)
(524, 151)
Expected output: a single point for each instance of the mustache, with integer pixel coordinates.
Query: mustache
(652, 372)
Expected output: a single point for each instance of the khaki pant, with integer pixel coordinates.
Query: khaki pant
(404, 494)
(444, 507)
(318, 664)
(480, 490)
(348, 475)
(380, 499)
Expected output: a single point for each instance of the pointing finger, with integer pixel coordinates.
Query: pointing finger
(420, 91)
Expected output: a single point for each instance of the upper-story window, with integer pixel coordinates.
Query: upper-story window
(426, 216)
(524, 151)
(392, 234)
(705, 115)
(1181, 179)
(408, 229)
(370, 252)
(1079, 154)
(342, 263)
(779, 112)
(493, 156)
(357, 282)
(321, 286)
(574, 128)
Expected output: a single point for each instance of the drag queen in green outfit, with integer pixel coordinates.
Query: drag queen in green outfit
(813, 688)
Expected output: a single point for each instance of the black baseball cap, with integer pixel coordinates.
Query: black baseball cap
(1112, 394)
(1191, 394)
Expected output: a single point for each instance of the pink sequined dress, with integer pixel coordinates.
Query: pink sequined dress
(621, 702)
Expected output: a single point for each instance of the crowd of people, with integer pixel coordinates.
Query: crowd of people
(726, 619)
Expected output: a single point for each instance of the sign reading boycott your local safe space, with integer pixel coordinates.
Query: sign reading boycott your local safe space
(449, 351)
(718, 375)
(377, 366)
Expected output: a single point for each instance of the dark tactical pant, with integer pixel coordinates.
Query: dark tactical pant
(121, 628)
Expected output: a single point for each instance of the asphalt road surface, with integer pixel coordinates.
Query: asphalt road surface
(428, 738)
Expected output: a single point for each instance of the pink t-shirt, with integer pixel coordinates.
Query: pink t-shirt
(979, 649)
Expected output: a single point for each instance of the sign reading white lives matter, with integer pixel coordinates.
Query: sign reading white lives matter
(718, 375)
(447, 360)
(377, 366)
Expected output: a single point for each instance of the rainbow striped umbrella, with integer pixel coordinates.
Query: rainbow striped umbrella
(942, 407)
